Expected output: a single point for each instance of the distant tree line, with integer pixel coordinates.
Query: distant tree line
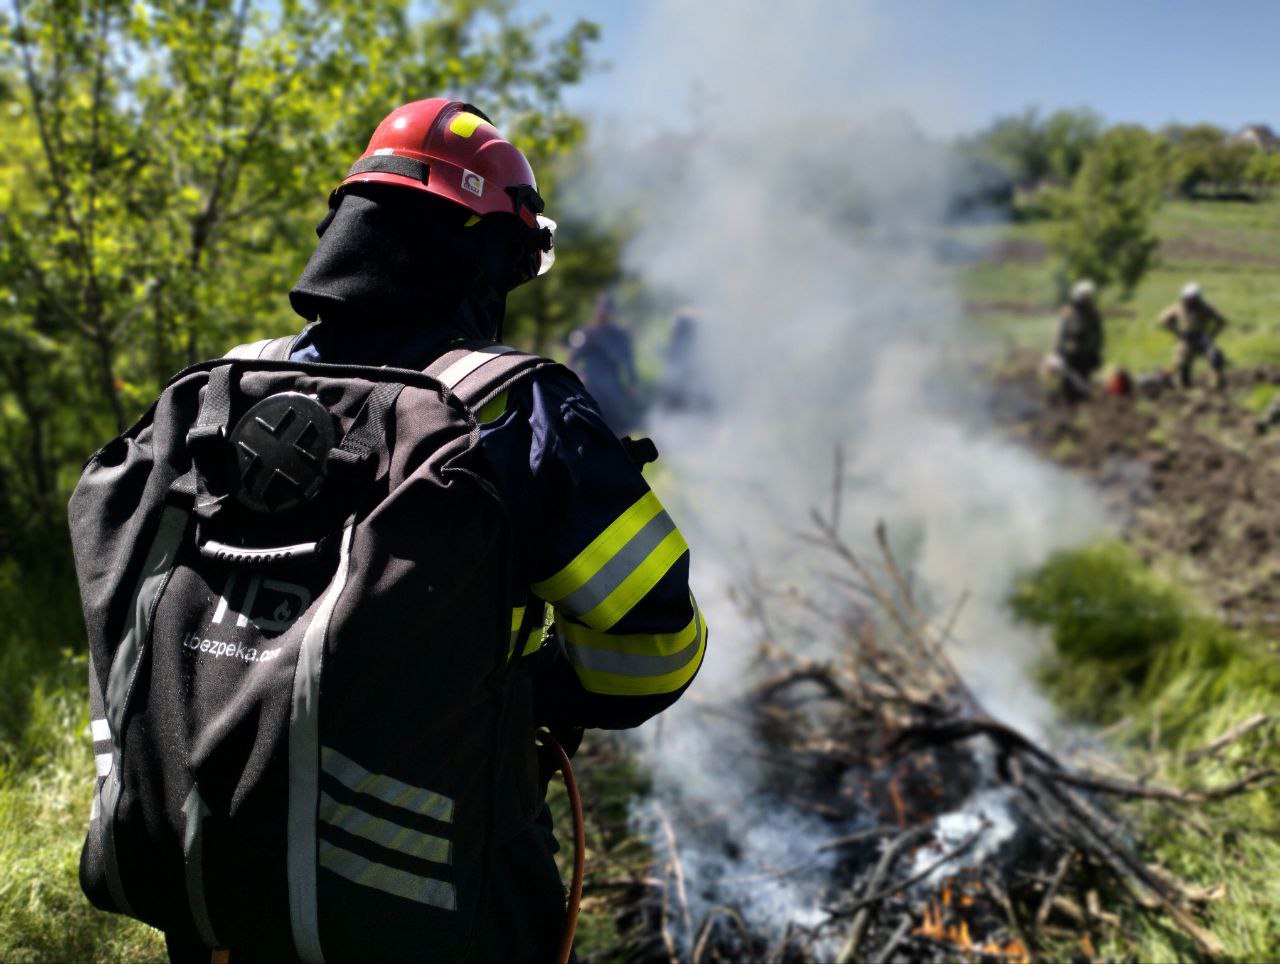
(1016, 161)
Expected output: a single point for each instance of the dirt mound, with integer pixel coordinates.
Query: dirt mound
(1186, 472)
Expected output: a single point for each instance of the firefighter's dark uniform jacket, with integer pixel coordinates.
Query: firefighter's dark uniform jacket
(592, 543)
(597, 556)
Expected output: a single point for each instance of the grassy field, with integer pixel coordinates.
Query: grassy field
(1166, 679)
(1232, 248)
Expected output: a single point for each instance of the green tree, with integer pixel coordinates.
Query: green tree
(1017, 157)
(1018, 144)
(1204, 161)
(164, 163)
(1103, 222)
(1068, 136)
(1262, 172)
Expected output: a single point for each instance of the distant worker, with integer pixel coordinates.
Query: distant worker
(602, 355)
(682, 382)
(1197, 324)
(1079, 340)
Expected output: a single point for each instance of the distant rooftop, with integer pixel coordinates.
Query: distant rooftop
(1260, 135)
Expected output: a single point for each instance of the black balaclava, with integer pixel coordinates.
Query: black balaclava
(395, 258)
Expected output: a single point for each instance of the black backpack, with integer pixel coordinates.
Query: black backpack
(298, 594)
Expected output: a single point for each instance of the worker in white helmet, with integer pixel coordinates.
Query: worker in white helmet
(1079, 340)
(1196, 324)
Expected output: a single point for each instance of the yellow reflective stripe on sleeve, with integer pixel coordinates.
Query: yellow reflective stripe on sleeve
(533, 643)
(517, 617)
(634, 587)
(614, 673)
(525, 641)
(600, 550)
(492, 409)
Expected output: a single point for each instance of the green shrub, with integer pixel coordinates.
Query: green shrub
(1107, 617)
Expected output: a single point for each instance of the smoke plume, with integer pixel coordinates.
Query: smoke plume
(799, 210)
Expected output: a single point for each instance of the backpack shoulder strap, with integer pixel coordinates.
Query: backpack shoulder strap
(268, 349)
(477, 375)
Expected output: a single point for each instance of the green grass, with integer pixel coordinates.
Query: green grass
(1128, 646)
(1260, 398)
(46, 780)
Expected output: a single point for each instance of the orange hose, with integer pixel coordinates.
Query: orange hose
(579, 848)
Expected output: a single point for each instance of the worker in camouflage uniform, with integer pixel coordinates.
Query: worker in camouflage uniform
(1196, 323)
(1079, 340)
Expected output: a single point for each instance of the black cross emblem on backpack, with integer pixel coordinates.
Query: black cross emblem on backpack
(281, 446)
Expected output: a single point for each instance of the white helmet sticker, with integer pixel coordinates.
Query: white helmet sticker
(473, 182)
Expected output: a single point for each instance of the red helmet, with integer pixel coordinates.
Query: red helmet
(452, 150)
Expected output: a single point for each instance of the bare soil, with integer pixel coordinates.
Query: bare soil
(1020, 250)
(1186, 473)
(1200, 249)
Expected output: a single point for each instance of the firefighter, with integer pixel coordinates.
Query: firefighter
(438, 220)
(1196, 324)
(1079, 339)
(602, 355)
(683, 380)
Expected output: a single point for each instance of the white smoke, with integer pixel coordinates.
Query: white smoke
(798, 207)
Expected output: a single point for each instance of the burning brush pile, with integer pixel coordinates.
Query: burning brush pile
(945, 834)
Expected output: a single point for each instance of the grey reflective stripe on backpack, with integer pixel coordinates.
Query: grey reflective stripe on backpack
(124, 669)
(193, 857)
(268, 349)
(252, 350)
(468, 363)
(304, 767)
(475, 376)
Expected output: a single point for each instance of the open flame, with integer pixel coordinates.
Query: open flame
(936, 928)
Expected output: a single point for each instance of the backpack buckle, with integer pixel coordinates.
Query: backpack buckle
(282, 445)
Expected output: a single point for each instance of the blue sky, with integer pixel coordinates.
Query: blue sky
(955, 64)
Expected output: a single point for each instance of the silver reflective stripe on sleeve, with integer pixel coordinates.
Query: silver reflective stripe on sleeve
(103, 763)
(613, 573)
(387, 789)
(465, 365)
(424, 890)
(99, 730)
(384, 833)
(124, 667)
(304, 767)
